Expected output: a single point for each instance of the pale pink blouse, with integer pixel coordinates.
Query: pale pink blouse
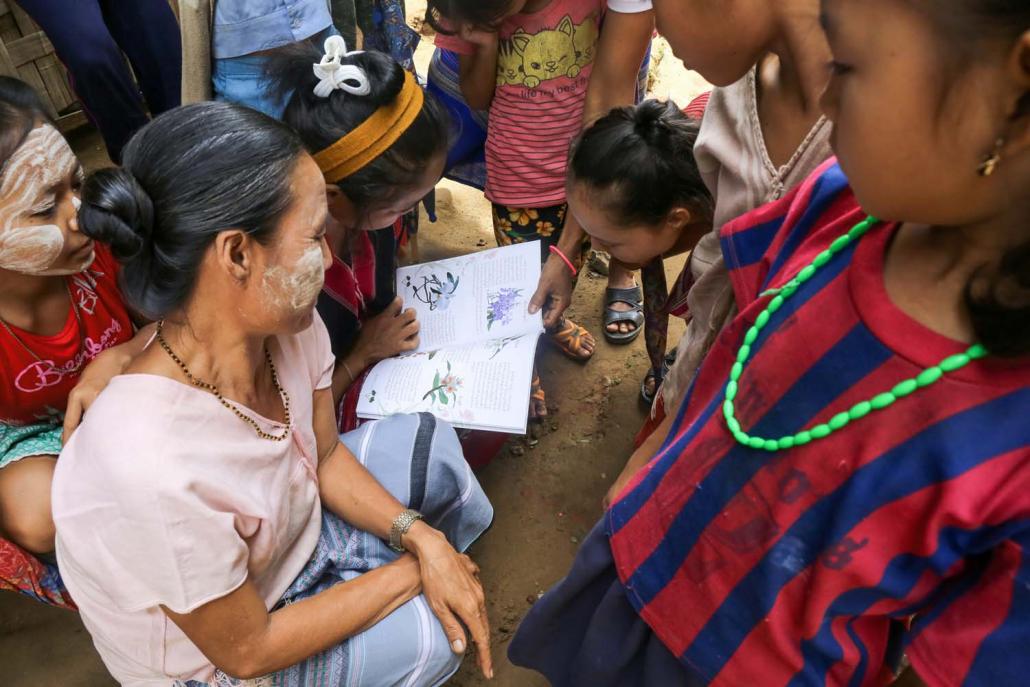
(165, 497)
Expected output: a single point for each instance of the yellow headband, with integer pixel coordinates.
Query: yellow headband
(374, 136)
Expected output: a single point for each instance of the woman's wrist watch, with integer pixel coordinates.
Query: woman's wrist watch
(401, 524)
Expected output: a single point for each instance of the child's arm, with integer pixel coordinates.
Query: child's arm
(613, 83)
(620, 52)
(478, 71)
(390, 333)
(99, 373)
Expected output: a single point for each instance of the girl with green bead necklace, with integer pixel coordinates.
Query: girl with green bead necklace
(846, 483)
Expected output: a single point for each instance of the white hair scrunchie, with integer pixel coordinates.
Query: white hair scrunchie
(333, 76)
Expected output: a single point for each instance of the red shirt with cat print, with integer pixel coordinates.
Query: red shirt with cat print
(38, 372)
(543, 68)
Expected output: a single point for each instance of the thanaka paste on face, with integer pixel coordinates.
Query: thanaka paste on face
(40, 163)
(296, 289)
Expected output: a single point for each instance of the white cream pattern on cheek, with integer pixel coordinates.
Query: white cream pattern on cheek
(42, 159)
(296, 289)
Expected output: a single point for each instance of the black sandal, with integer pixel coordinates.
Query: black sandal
(633, 296)
(646, 397)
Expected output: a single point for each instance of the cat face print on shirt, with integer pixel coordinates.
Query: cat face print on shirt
(509, 66)
(585, 41)
(529, 60)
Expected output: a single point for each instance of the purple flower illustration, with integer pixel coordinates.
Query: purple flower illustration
(501, 306)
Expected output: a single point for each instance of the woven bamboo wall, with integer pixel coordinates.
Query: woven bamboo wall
(26, 52)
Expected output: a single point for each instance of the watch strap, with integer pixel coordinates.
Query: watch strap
(401, 524)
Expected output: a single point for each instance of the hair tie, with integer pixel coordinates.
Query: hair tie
(335, 76)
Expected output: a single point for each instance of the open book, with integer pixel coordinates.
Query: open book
(474, 364)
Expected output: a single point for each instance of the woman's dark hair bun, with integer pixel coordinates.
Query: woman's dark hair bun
(118, 211)
(189, 174)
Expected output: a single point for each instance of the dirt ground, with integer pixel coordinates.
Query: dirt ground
(546, 490)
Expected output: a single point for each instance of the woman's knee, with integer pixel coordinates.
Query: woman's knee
(408, 647)
(30, 526)
(25, 516)
(440, 661)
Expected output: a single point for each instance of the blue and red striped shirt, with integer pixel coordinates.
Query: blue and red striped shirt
(906, 532)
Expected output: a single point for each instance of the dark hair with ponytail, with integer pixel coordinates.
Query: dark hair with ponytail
(481, 14)
(186, 176)
(321, 122)
(998, 296)
(640, 160)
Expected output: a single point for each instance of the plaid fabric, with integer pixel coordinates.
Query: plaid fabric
(418, 460)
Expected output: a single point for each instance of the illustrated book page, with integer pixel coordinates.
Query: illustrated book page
(474, 365)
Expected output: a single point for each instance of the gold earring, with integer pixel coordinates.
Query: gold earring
(990, 162)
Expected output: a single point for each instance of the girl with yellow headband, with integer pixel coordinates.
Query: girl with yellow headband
(381, 147)
(381, 144)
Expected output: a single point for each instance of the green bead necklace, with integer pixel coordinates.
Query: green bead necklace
(840, 420)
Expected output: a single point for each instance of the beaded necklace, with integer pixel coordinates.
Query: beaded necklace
(883, 400)
(212, 389)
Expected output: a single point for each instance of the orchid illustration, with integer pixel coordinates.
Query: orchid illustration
(433, 291)
(445, 388)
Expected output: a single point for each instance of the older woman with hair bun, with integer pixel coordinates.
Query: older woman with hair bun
(211, 524)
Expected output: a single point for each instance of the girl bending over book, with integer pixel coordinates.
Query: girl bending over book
(846, 481)
(635, 189)
(394, 157)
(381, 144)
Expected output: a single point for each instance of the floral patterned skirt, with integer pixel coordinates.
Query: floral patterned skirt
(519, 225)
